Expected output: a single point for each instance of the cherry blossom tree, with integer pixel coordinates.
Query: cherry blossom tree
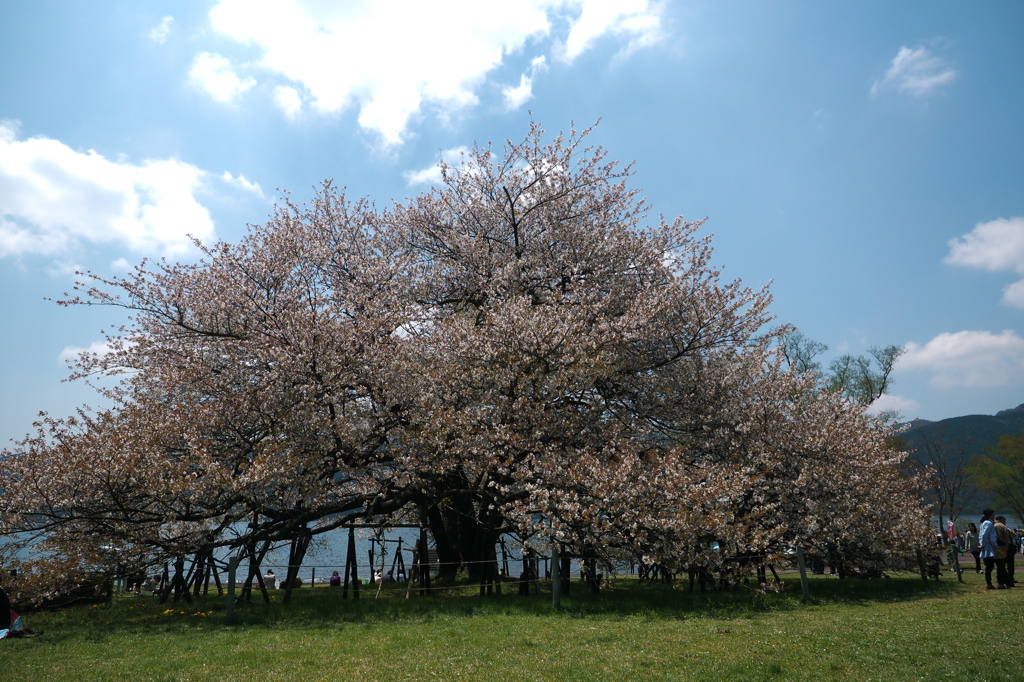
(521, 349)
(251, 390)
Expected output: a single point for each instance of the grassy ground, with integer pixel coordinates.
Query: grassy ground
(895, 629)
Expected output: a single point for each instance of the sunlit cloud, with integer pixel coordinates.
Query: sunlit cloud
(242, 183)
(71, 353)
(393, 61)
(636, 20)
(54, 199)
(432, 174)
(893, 403)
(288, 101)
(519, 95)
(916, 72)
(213, 74)
(162, 30)
(977, 359)
(64, 268)
(994, 246)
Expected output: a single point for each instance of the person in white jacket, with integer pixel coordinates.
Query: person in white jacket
(988, 543)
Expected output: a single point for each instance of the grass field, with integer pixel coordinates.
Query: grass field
(895, 629)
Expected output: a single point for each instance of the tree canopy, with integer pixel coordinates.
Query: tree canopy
(521, 349)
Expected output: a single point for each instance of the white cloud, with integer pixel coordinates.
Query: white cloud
(63, 268)
(1013, 294)
(637, 19)
(392, 60)
(71, 353)
(162, 30)
(53, 198)
(995, 245)
(213, 73)
(915, 72)
(968, 359)
(288, 101)
(242, 183)
(432, 174)
(516, 97)
(893, 403)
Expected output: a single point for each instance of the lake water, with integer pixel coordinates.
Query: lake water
(328, 552)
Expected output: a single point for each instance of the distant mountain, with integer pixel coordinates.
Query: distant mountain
(970, 433)
(963, 438)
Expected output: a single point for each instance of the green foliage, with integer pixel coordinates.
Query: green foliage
(895, 629)
(1001, 471)
(860, 378)
(801, 352)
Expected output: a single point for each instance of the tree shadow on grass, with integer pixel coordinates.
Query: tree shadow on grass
(325, 608)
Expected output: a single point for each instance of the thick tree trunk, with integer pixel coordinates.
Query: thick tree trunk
(463, 538)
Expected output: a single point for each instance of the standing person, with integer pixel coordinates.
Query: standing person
(987, 542)
(1018, 538)
(1007, 542)
(971, 545)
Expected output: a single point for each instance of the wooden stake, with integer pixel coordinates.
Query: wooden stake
(556, 576)
(229, 613)
(803, 572)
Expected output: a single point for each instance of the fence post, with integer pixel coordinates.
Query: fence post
(803, 571)
(556, 576)
(423, 557)
(229, 613)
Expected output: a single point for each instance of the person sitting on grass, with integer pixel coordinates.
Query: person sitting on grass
(10, 622)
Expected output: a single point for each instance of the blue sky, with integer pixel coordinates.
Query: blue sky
(867, 158)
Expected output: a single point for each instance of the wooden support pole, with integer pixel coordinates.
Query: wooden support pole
(229, 613)
(921, 564)
(556, 576)
(803, 571)
(352, 564)
(178, 585)
(565, 571)
(423, 556)
(192, 581)
(398, 563)
(348, 563)
(370, 554)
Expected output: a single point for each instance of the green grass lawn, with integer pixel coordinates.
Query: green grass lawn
(894, 629)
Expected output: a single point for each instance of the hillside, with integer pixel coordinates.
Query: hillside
(961, 439)
(970, 433)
